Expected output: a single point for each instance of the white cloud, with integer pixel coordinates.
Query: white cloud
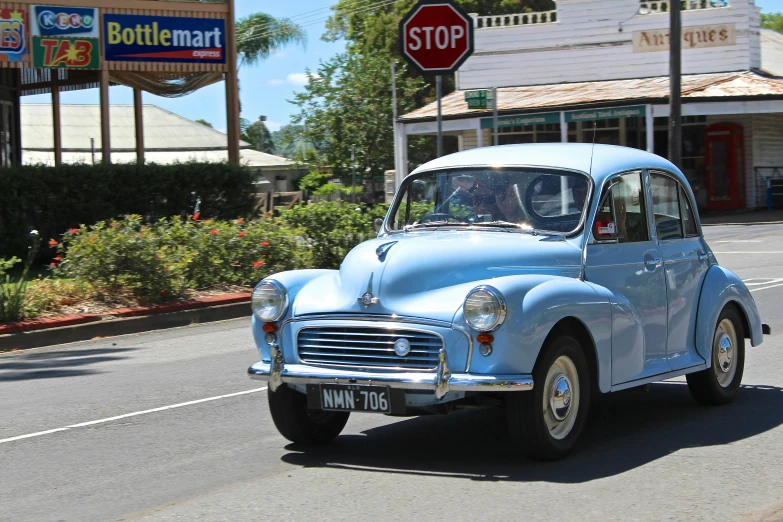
(297, 78)
(273, 125)
(276, 81)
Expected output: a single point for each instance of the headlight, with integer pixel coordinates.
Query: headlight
(269, 301)
(484, 308)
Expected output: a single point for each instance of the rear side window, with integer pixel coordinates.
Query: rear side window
(689, 221)
(666, 207)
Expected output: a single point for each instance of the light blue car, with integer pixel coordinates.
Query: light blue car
(527, 277)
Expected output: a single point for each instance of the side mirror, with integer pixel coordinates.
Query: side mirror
(377, 224)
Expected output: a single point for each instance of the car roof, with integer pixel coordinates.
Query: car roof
(599, 161)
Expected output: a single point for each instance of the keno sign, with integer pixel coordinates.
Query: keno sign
(436, 36)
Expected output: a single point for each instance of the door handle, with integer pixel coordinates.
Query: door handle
(703, 257)
(652, 263)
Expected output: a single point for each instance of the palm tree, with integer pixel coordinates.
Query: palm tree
(259, 35)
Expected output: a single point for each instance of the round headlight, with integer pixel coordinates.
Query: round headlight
(484, 308)
(269, 301)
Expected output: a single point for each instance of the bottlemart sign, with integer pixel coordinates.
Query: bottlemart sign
(136, 38)
(479, 99)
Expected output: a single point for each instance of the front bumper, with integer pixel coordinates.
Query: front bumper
(441, 381)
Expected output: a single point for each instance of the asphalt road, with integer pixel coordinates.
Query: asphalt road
(165, 426)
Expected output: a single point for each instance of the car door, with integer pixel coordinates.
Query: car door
(628, 263)
(685, 262)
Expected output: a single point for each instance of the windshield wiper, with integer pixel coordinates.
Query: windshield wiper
(434, 224)
(503, 224)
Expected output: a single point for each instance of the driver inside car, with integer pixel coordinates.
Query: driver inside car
(493, 198)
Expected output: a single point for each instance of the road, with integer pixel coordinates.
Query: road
(165, 426)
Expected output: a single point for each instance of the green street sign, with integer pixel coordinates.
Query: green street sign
(606, 114)
(522, 120)
(479, 99)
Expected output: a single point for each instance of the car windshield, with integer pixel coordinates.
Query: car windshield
(513, 198)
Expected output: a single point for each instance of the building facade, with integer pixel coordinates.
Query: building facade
(599, 71)
(168, 48)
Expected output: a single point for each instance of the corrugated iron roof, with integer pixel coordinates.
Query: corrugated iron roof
(572, 95)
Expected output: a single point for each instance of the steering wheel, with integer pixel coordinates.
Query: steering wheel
(438, 217)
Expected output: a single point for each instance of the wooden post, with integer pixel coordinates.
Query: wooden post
(56, 122)
(138, 113)
(232, 87)
(105, 124)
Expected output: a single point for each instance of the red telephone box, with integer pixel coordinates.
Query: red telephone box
(725, 158)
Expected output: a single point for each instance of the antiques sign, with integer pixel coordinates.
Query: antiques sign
(694, 37)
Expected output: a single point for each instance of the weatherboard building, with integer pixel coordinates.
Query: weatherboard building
(602, 68)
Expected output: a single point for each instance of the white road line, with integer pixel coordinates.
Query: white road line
(737, 241)
(764, 281)
(134, 414)
(751, 252)
(766, 287)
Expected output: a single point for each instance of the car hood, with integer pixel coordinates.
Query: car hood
(428, 273)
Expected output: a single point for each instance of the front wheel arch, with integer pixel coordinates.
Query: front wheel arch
(577, 329)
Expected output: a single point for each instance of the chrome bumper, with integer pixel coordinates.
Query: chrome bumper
(441, 382)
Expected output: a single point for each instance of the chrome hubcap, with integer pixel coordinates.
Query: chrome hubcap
(561, 398)
(724, 353)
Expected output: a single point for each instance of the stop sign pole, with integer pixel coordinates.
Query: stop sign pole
(436, 37)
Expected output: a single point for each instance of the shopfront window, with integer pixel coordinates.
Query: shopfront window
(542, 133)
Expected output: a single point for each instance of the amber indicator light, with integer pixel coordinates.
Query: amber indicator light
(485, 338)
(269, 327)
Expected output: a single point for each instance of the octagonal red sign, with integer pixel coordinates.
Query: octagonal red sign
(436, 36)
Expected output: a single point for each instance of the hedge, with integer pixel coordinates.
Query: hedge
(54, 199)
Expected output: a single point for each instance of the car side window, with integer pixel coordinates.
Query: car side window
(623, 204)
(666, 207)
(689, 221)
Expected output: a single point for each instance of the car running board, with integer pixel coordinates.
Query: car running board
(765, 329)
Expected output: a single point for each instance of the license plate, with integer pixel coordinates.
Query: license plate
(353, 397)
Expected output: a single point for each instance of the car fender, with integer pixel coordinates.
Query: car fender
(721, 286)
(293, 281)
(535, 304)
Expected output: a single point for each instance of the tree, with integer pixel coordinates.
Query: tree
(772, 21)
(288, 142)
(204, 122)
(258, 135)
(347, 106)
(259, 35)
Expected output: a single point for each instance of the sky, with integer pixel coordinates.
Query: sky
(265, 87)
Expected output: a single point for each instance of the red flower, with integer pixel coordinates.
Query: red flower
(267, 214)
(240, 221)
(241, 234)
(164, 292)
(214, 231)
(58, 258)
(196, 216)
(74, 231)
(258, 264)
(53, 243)
(236, 262)
(264, 244)
(91, 240)
(53, 264)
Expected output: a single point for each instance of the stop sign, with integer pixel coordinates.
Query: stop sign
(436, 36)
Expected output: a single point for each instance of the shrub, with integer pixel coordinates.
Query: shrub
(53, 199)
(13, 292)
(162, 260)
(331, 229)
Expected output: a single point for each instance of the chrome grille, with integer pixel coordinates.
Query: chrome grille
(368, 347)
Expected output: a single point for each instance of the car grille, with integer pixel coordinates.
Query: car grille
(368, 348)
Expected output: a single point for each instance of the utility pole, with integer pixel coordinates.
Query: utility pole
(439, 94)
(675, 76)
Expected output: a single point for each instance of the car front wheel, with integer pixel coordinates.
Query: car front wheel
(299, 424)
(719, 383)
(546, 422)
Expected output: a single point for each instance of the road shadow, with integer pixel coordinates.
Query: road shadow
(626, 430)
(57, 364)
